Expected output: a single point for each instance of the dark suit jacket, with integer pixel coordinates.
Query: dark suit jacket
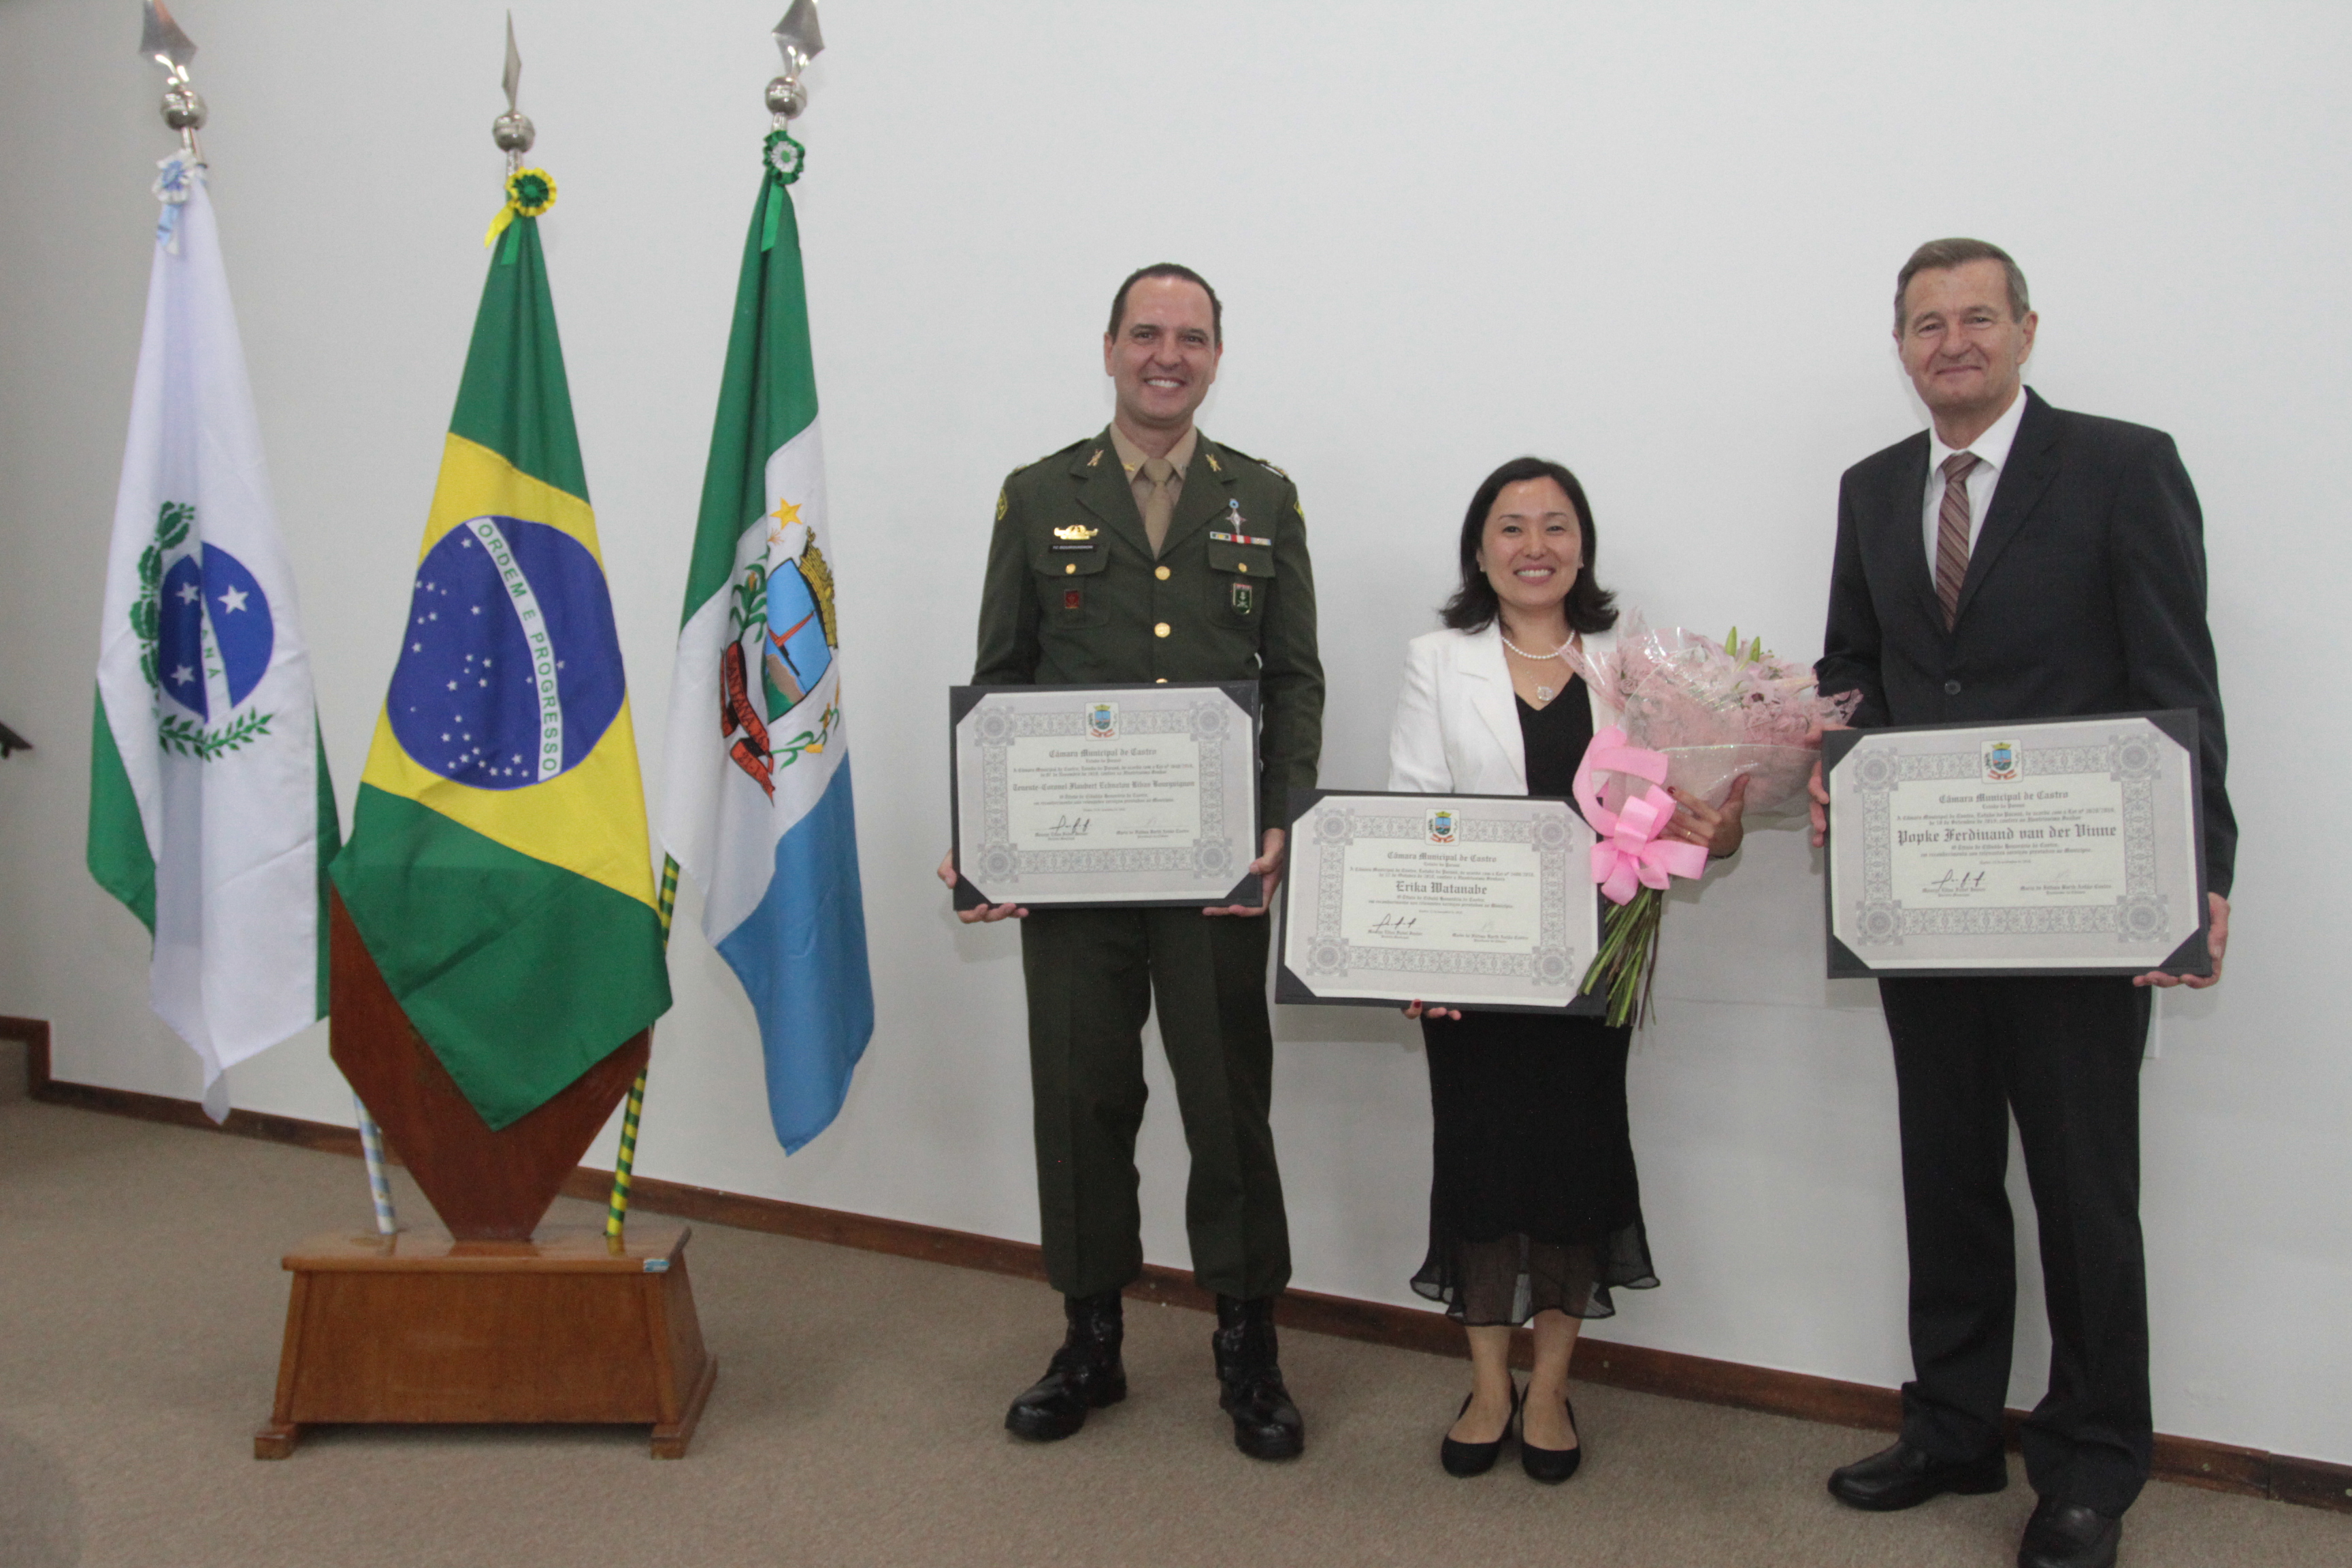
(2086, 594)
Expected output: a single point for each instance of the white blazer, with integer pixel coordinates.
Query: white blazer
(1457, 718)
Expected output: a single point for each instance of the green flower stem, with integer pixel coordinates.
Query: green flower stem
(1626, 965)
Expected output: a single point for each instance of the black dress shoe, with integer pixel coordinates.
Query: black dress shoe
(2068, 1535)
(1905, 1477)
(1266, 1424)
(1551, 1466)
(1084, 1373)
(1477, 1459)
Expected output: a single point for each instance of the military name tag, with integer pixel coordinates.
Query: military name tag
(1104, 795)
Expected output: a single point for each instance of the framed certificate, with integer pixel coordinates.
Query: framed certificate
(1104, 795)
(1462, 900)
(2054, 846)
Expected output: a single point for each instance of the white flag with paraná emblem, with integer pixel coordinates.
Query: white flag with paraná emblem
(211, 817)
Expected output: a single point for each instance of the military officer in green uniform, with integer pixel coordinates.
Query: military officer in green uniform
(1150, 552)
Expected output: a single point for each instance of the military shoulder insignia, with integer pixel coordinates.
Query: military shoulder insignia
(1096, 458)
(1002, 504)
(1261, 462)
(1076, 530)
(1214, 466)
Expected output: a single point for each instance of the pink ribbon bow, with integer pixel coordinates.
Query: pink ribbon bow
(1630, 852)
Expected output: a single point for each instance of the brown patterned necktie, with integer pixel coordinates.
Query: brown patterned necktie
(1159, 506)
(1952, 534)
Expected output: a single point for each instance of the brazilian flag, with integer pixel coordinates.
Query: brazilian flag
(499, 868)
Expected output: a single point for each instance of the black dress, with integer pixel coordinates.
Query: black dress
(1533, 1203)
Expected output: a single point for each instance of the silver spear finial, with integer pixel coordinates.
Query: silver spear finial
(513, 131)
(800, 41)
(162, 41)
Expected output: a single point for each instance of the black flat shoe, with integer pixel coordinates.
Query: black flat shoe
(1905, 1477)
(2068, 1535)
(1468, 1459)
(1551, 1466)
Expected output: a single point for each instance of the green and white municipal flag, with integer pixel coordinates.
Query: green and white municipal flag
(210, 812)
(758, 806)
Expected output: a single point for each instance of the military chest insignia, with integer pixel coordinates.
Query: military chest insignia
(1096, 458)
(1076, 533)
(1212, 459)
(1245, 598)
(1240, 539)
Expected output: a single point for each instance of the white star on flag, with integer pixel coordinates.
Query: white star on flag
(232, 599)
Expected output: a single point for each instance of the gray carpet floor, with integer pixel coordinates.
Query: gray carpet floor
(855, 1421)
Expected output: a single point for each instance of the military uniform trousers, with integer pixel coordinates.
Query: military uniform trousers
(1093, 975)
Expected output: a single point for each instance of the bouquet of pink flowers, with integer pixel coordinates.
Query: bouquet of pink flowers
(1717, 712)
(1693, 715)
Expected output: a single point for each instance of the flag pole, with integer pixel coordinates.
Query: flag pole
(616, 1212)
(162, 41)
(379, 1180)
(799, 40)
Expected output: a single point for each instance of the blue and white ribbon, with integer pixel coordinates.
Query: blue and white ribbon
(172, 188)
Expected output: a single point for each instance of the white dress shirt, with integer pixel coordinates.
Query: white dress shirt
(1992, 452)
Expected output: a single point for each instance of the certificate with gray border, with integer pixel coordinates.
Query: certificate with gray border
(2054, 846)
(1460, 900)
(1104, 795)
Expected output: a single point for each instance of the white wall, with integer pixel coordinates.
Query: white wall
(1656, 242)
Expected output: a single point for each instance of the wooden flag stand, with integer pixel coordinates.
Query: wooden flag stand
(493, 1320)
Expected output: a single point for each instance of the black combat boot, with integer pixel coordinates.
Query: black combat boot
(1266, 1424)
(1084, 1373)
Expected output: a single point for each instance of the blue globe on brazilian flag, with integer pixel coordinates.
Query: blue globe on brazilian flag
(500, 869)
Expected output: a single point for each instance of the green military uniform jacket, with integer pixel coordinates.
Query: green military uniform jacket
(1073, 594)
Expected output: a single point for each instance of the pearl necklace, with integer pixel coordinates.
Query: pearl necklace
(1543, 693)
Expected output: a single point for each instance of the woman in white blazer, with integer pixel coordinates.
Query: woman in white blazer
(1535, 1205)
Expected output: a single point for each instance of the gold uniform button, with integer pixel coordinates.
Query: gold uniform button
(1160, 630)
(1161, 573)
(1241, 565)
(1071, 569)
(1162, 681)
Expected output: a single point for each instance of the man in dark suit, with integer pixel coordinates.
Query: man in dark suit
(2019, 561)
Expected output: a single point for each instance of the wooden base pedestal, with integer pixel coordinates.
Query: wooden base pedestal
(566, 1327)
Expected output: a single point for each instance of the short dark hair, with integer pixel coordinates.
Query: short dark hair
(1589, 606)
(1169, 269)
(1938, 254)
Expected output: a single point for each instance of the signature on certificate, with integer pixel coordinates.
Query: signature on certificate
(1956, 882)
(1067, 826)
(1396, 925)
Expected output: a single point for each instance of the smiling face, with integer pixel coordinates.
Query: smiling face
(1531, 548)
(1163, 358)
(1965, 350)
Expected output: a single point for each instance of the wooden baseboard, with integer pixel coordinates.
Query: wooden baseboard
(2193, 1460)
